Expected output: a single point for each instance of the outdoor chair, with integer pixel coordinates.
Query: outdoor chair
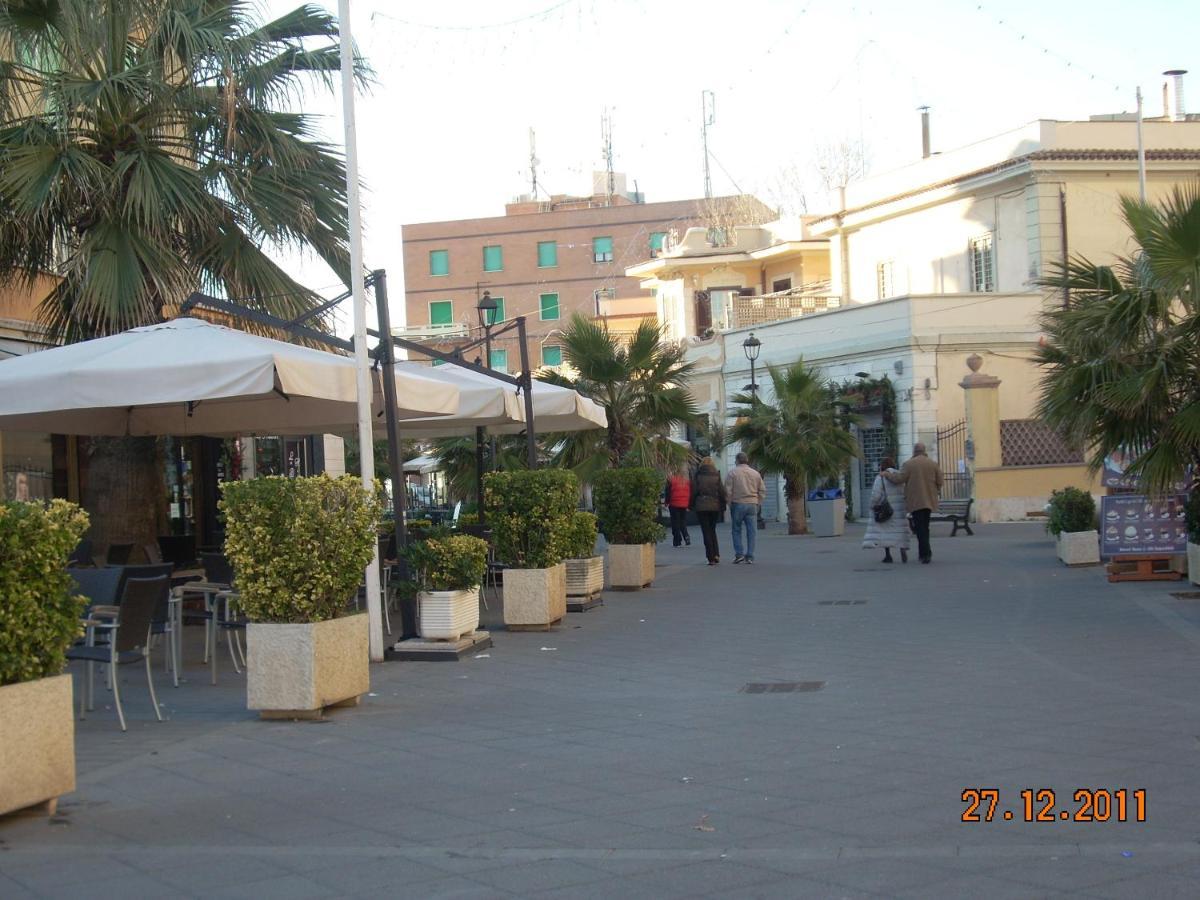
(82, 555)
(153, 553)
(178, 549)
(129, 640)
(100, 586)
(228, 618)
(218, 581)
(118, 554)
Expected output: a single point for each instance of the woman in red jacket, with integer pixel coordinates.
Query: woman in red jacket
(678, 494)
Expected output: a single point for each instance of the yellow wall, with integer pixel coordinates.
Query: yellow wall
(1015, 369)
(1032, 481)
(20, 303)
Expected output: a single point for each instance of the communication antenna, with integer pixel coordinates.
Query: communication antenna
(607, 150)
(533, 164)
(708, 109)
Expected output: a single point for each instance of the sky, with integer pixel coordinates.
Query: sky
(443, 132)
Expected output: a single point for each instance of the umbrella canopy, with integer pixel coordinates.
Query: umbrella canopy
(555, 408)
(190, 377)
(423, 465)
(482, 402)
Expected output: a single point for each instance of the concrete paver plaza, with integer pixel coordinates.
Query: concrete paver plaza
(618, 757)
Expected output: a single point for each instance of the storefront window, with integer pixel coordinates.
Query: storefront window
(28, 466)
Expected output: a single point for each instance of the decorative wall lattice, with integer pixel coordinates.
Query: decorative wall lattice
(1030, 442)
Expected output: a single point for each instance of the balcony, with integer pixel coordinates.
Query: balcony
(746, 311)
(431, 332)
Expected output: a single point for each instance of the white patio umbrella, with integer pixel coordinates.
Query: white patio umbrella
(482, 402)
(190, 377)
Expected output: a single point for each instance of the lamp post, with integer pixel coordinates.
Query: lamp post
(752, 347)
(486, 308)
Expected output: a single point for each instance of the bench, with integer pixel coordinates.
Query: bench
(956, 511)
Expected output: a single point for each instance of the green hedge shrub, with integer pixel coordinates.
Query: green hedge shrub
(581, 535)
(627, 505)
(454, 563)
(529, 512)
(1071, 510)
(298, 545)
(39, 613)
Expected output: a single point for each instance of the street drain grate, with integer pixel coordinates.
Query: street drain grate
(840, 602)
(1186, 595)
(782, 687)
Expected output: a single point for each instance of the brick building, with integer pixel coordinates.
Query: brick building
(544, 260)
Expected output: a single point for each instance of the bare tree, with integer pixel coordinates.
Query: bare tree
(723, 214)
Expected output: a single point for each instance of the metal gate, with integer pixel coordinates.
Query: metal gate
(952, 457)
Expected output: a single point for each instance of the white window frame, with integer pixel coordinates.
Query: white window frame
(983, 247)
(442, 300)
(885, 279)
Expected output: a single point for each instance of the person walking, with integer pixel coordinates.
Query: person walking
(678, 497)
(922, 479)
(708, 500)
(890, 532)
(746, 493)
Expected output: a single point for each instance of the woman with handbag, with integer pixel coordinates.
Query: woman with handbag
(709, 501)
(888, 526)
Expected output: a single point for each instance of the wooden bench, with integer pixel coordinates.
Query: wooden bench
(956, 511)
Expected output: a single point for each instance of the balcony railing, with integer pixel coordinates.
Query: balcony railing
(417, 332)
(748, 311)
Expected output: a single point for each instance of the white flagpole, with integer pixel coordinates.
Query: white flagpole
(366, 439)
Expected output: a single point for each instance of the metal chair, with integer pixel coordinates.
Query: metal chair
(82, 555)
(153, 553)
(118, 554)
(100, 586)
(129, 640)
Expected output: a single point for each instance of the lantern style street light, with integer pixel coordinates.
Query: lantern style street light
(752, 347)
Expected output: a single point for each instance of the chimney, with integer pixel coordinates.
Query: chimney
(1173, 106)
(924, 131)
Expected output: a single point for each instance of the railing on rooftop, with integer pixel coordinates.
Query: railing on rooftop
(417, 332)
(747, 311)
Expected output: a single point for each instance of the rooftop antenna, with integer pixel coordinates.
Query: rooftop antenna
(533, 163)
(708, 109)
(607, 150)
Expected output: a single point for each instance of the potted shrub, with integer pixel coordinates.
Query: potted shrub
(1192, 517)
(530, 513)
(298, 547)
(585, 570)
(39, 619)
(1072, 521)
(626, 502)
(448, 572)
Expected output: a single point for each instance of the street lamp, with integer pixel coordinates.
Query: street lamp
(752, 346)
(486, 307)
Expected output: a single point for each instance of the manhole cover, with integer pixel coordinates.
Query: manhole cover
(1186, 595)
(782, 687)
(840, 602)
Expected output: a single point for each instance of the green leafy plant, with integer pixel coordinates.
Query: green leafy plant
(581, 535)
(39, 613)
(453, 563)
(627, 505)
(298, 545)
(468, 518)
(1071, 510)
(530, 512)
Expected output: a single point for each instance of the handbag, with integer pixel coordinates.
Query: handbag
(882, 510)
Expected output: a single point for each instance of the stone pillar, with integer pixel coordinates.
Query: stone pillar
(983, 413)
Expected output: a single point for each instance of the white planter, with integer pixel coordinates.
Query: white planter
(585, 577)
(447, 615)
(828, 517)
(1193, 562)
(1079, 548)
(37, 743)
(295, 671)
(535, 597)
(630, 566)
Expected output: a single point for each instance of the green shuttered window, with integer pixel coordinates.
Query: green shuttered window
(493, 259)
(549, 306)
(547, 254)
(439, 262)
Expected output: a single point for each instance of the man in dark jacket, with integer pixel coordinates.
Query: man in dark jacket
(708, 500)
(922, 479)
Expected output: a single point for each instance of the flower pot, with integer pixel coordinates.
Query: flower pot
(37, 743)
(295, 671)
(630, 566)
(1193, 562)
(447, 615)
(585, 577)
(535, 598)
(1079, 548)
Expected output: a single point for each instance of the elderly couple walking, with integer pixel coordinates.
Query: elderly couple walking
(742, 491)
(901, 496)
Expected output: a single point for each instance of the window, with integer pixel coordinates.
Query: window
(551, 355)
(547, 254)
(657, 240)
(439, 362)
(781, 284)
(885, 282)
(602, 251)
(493, 259)
(439, 262)
(441, 312)
(499, 310)
(549, 306)
(499, 360)
(983, 264)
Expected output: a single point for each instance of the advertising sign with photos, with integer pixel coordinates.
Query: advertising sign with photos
(1136, 524)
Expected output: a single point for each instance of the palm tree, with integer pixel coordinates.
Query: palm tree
(1121, 358)
(801, 435)
(642, 385)
(459, 463)
(149, 148)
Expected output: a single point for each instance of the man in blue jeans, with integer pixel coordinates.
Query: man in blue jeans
(746, 493)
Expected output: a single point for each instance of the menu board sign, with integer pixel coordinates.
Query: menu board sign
(1133, 523)
(1114, 478)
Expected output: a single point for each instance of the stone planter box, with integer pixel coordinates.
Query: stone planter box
(630, 566)
(535, 598)
(1079, 548)
(585, 577)
(295, 671)
(1193, 562)
(37, 744)
(447, 615)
